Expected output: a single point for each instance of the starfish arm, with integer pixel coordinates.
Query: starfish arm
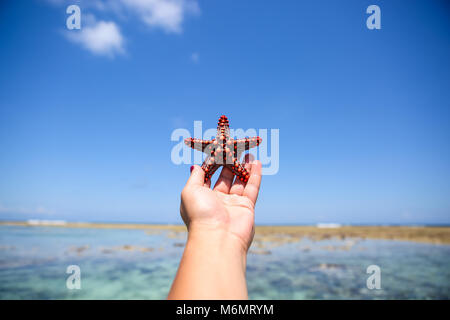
(241, 145)
(247, 143)
(209, 166)
(239, 170)
(198, 144)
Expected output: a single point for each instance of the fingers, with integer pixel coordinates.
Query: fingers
(225, 180)
(197, 177)
(238, 186)
(251, 189)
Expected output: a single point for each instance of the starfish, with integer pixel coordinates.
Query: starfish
(224, 151)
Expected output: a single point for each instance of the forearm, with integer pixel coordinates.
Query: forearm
(212, 267)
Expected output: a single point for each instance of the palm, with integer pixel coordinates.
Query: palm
(232, 212)
(229, 206)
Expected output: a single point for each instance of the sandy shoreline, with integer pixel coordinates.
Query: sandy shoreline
(283, 234)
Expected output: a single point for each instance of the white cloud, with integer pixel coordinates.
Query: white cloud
(105, 38)
(195, 57)
(101, 38)
(165, 14)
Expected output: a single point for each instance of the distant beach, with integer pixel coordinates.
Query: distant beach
(279, 234)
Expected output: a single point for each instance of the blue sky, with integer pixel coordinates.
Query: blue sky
(364, 115)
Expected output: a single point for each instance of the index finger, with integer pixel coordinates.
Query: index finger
(197, 176)
(252, 187)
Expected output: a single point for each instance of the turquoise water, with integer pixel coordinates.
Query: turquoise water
(133, 264)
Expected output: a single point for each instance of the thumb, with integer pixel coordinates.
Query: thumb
(197, 176)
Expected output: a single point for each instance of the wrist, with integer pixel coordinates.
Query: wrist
(218, 244)
(216, 236)
(212, 267)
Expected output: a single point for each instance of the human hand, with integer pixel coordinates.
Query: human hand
(228, 208)
(220, 222)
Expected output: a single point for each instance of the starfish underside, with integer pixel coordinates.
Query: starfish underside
(224, 151)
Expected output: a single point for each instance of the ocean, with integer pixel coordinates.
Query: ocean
(138, 264)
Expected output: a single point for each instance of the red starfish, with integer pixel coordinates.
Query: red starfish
(224, 151)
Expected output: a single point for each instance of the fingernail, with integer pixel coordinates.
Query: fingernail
(192, 168)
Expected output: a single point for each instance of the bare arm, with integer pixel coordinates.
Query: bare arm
(220, 226)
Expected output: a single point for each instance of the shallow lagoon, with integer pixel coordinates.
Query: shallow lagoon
(137, 264)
